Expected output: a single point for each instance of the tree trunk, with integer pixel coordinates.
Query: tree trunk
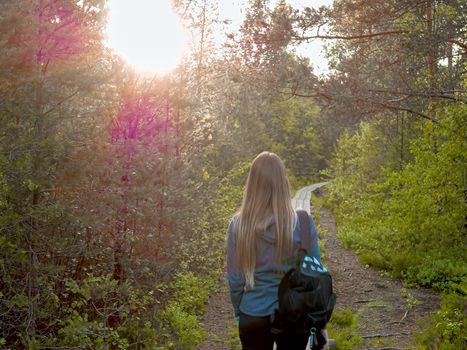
(431, 52)
(154, 322)
(32, 228)
(199, 67)
(402, 143)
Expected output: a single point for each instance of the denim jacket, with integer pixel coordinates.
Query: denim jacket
(262, 299)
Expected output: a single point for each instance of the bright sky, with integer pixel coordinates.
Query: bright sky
(232, 9)
(149, 35)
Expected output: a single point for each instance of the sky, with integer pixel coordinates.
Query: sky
(150, 36)
(232, 9)
(146, 33)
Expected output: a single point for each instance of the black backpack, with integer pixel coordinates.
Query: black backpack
(306, 299)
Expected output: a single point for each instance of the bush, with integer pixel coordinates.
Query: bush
(440, 273)
(191, 292)
(179, 319)
(446, 329)
(233, 342)
(407, 217)
(185, 326)
(343, 329)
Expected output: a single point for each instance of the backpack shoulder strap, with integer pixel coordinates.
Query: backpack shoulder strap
(304, 221)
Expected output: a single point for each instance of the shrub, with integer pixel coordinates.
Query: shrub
(179, 319)
(440, 273)
(408, 216)
(343, 329)
(191, 292)
(446, 329)
(185, 326)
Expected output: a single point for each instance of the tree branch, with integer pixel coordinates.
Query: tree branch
(397, 108)
(419, 95)
(380, 335)
(351, 37)
(382, 104)
(458, 43)
(318, 94)
(66, 98)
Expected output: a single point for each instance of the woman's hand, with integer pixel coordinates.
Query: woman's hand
(324, 333)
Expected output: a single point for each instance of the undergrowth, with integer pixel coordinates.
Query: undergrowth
(233, 342)
(447, 328)
(408, 218)
(343, 329)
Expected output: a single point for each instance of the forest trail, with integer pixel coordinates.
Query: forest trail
(387, 312)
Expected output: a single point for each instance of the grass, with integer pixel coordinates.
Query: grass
(233, 342)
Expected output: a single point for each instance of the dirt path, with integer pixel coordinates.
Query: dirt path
(388, 313)
(219, 321)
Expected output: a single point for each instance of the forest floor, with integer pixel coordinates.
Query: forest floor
(388, 314)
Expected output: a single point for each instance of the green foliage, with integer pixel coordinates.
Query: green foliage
(188, 331)
(180, 316)
(409, 220)
(233, 342)
(440, 273)
(410, 300)
(104, 247)
(231, 187)
(343, 329)
(447, 328)
(203, 252)
(95, 302)
(292, 134)
(191, 292)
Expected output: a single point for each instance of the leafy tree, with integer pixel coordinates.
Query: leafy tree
(49, 49)
(411, 221)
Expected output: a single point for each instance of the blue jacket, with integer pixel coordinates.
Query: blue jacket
(262, 299)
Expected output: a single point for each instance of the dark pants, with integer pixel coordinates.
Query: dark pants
(255, 334)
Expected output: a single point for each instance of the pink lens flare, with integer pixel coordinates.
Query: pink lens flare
(141, 118)
(142, 122)
(62, 30)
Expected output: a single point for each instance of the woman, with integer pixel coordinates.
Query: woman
(263, 237)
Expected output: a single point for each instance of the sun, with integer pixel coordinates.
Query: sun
(147, 34)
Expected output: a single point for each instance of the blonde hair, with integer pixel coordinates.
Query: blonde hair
(266, 195)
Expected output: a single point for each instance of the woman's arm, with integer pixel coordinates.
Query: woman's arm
(234, 275)
(314, 251)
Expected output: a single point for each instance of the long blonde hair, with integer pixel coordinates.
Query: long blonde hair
(266, 195)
